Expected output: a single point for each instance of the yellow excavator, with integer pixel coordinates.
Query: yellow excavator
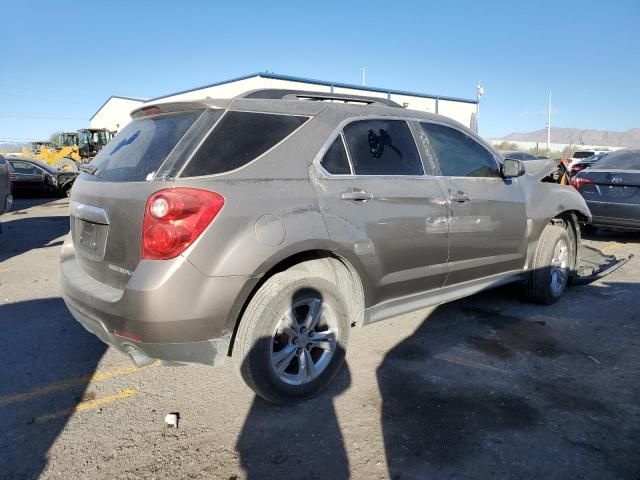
(71, 148)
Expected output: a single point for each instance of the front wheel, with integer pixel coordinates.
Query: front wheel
(293, 336)
(552, 264)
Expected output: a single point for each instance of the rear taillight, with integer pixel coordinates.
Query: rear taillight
(174, 218)
(579, 182)
(576, 168)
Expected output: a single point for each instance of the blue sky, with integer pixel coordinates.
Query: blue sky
(60, 60)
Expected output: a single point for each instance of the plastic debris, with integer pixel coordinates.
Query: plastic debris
(172, 419)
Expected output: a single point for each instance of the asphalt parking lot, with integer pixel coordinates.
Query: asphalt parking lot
(486, 387)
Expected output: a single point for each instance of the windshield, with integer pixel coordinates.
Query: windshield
(142, 146)
(622, 160)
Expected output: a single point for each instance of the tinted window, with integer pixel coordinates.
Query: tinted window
(458, 154)
(622, 160)
(335, 160)
(25, 168)
(239, 138)
(142, 146)
(382, 147)
(582, 154)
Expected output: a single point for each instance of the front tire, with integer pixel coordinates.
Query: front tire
(552, 265)
(293, 337)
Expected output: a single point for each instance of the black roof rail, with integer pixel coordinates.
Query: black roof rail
(285, 94)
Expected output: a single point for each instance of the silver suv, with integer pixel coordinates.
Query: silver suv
(266, 226)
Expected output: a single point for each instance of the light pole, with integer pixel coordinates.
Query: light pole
(479, 94)
(549, 124)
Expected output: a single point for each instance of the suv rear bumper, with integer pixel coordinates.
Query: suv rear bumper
(168, 310)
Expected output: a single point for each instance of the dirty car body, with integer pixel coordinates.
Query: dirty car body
(343, 213)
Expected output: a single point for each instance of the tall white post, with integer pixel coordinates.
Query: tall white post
(364, 79)
(549, 124)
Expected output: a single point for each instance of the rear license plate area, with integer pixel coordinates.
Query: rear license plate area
(90, 239)
(617, 191)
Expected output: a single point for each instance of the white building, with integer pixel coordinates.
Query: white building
(114, 113)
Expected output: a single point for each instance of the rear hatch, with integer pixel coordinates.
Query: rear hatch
(108, 200)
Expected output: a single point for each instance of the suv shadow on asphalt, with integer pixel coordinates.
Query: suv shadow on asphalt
(46, 361)
(43, 231)
(491, 387)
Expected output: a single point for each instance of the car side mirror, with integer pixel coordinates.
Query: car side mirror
(512, 168)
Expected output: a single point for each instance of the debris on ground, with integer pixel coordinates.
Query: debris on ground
(172, 419)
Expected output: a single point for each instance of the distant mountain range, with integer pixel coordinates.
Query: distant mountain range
(13, 147)
(576, 136)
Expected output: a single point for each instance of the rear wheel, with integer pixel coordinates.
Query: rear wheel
(552, 264)
(293, 336)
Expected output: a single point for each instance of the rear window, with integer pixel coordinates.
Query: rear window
(582, 154)
(621, 161)
(239, 138)
(142, 146)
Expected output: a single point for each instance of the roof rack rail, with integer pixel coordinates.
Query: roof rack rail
(285, 94)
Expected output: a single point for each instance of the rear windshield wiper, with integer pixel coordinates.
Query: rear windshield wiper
(88, 168)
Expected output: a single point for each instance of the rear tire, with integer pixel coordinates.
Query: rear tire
(284, 352)
(552, 265)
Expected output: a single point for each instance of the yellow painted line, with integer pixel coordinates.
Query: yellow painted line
(447, 357)
(88, 405)
(99, 376)
(612, 246)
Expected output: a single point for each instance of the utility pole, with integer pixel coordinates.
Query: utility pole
(549, 124)
(479, 93)
(364, 79)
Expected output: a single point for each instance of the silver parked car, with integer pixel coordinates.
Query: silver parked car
(264, 227)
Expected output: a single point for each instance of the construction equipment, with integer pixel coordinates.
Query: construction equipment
(71, 149)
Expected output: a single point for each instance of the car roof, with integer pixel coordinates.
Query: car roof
(39, 163)
(298, 102)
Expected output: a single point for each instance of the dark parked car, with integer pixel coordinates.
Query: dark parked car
(33, 177)
(612, 190)
(5, 186)
(264, 227)
(521, 156)
(584, 163)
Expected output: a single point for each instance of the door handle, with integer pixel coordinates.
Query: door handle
(357, 196)
(460, 197)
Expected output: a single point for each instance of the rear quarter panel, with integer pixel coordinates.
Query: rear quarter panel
(271, 209)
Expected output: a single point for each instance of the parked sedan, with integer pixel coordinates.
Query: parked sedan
(5, 186)
(32, 177)
(612, 190)
(586, 163)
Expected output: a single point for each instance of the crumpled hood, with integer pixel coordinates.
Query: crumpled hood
(536, 170)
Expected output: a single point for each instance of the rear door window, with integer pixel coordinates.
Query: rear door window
(239, 138)
(335, 161)
(382, 147)
(459, 155)
(142, 146)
